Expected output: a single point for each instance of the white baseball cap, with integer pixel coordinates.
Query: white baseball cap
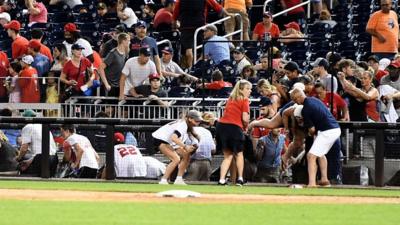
(6, 16)
(383, 63)
(28, 59)
(299, 86)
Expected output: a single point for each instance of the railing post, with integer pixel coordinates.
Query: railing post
(110, 171)
(379, 158)
(45, 156)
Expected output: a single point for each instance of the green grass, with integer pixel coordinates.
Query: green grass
(152, 188)
(14, 212)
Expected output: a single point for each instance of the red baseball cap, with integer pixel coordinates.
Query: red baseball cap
(35, 44)
(395, 64)
(70, 27)
(119, 137)
(13, 24)
(293, 25)
(154, 76)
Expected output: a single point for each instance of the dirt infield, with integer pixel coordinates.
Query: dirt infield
(62, 195)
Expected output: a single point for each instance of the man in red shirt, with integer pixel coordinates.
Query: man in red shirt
(37, 34)
(28, 81)
(266, 111)
(163, 19)
(217, 82)
(340, 109)
(19, 45)
(4, 64)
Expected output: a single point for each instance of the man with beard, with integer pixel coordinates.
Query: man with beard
(141, 40)
(72, 36)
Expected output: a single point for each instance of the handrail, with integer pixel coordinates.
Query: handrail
(226, 35)
(165, 41)
(289, 9)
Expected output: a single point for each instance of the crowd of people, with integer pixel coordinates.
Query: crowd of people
(299, 105)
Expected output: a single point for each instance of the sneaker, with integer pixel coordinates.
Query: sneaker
(163, 182)
(223, 184)
(180, 182)
(239, 183)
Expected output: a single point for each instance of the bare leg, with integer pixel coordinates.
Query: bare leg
(312, 169)
(173, 156)
(323, 167)
(189, 57)
(184, 163)
(225, 163)
(233, 171)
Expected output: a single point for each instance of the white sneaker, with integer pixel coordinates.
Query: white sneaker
(163, 182)
(179, 182)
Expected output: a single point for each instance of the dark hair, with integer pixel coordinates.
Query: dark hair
(36, 33)
(363, 65)
(101, 114)
(6, 112)
(183, 79)
(217, 75)
(68, 127)
(319, 85)
(16, 66)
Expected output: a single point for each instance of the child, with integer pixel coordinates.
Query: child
(51, 93)
(12, 86)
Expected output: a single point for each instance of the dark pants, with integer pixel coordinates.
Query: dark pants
(36, 166)
(334, 163)
(86, 172)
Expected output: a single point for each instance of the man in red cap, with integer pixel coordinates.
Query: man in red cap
(153, 91)
(19, 45)
(72, 36)
(37, 34)
(292, 31)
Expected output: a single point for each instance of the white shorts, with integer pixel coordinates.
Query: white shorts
(324, 141)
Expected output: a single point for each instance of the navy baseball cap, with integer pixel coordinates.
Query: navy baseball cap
(141, 23)
(77, 47)
(168, 50)
(145, 51)
(292, 66)
(264, 101)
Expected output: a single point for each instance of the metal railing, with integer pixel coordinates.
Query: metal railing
(226, 35)
(289, 9)
(110, 125)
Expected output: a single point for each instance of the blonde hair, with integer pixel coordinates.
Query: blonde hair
(240, 85)
(264, 84)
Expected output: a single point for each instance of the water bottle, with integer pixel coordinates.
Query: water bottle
(364, 175)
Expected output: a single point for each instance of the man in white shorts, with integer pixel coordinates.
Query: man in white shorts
(317, 118)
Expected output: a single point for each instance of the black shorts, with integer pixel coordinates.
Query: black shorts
(229, 137)
(158, 142)
(187, 37)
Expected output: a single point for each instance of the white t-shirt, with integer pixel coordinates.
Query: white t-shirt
(84, 43)
(132, 18)
(135, 73)
(89, 154)
(129, 161)
(32, 134)
(164, 133)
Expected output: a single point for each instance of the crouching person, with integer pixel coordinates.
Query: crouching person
(268, 154)
(170, 140)
(129, 161)
(79, 151)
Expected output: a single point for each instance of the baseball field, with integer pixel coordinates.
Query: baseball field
(97, 203)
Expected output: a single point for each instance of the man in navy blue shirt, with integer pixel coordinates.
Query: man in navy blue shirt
(316, 117)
